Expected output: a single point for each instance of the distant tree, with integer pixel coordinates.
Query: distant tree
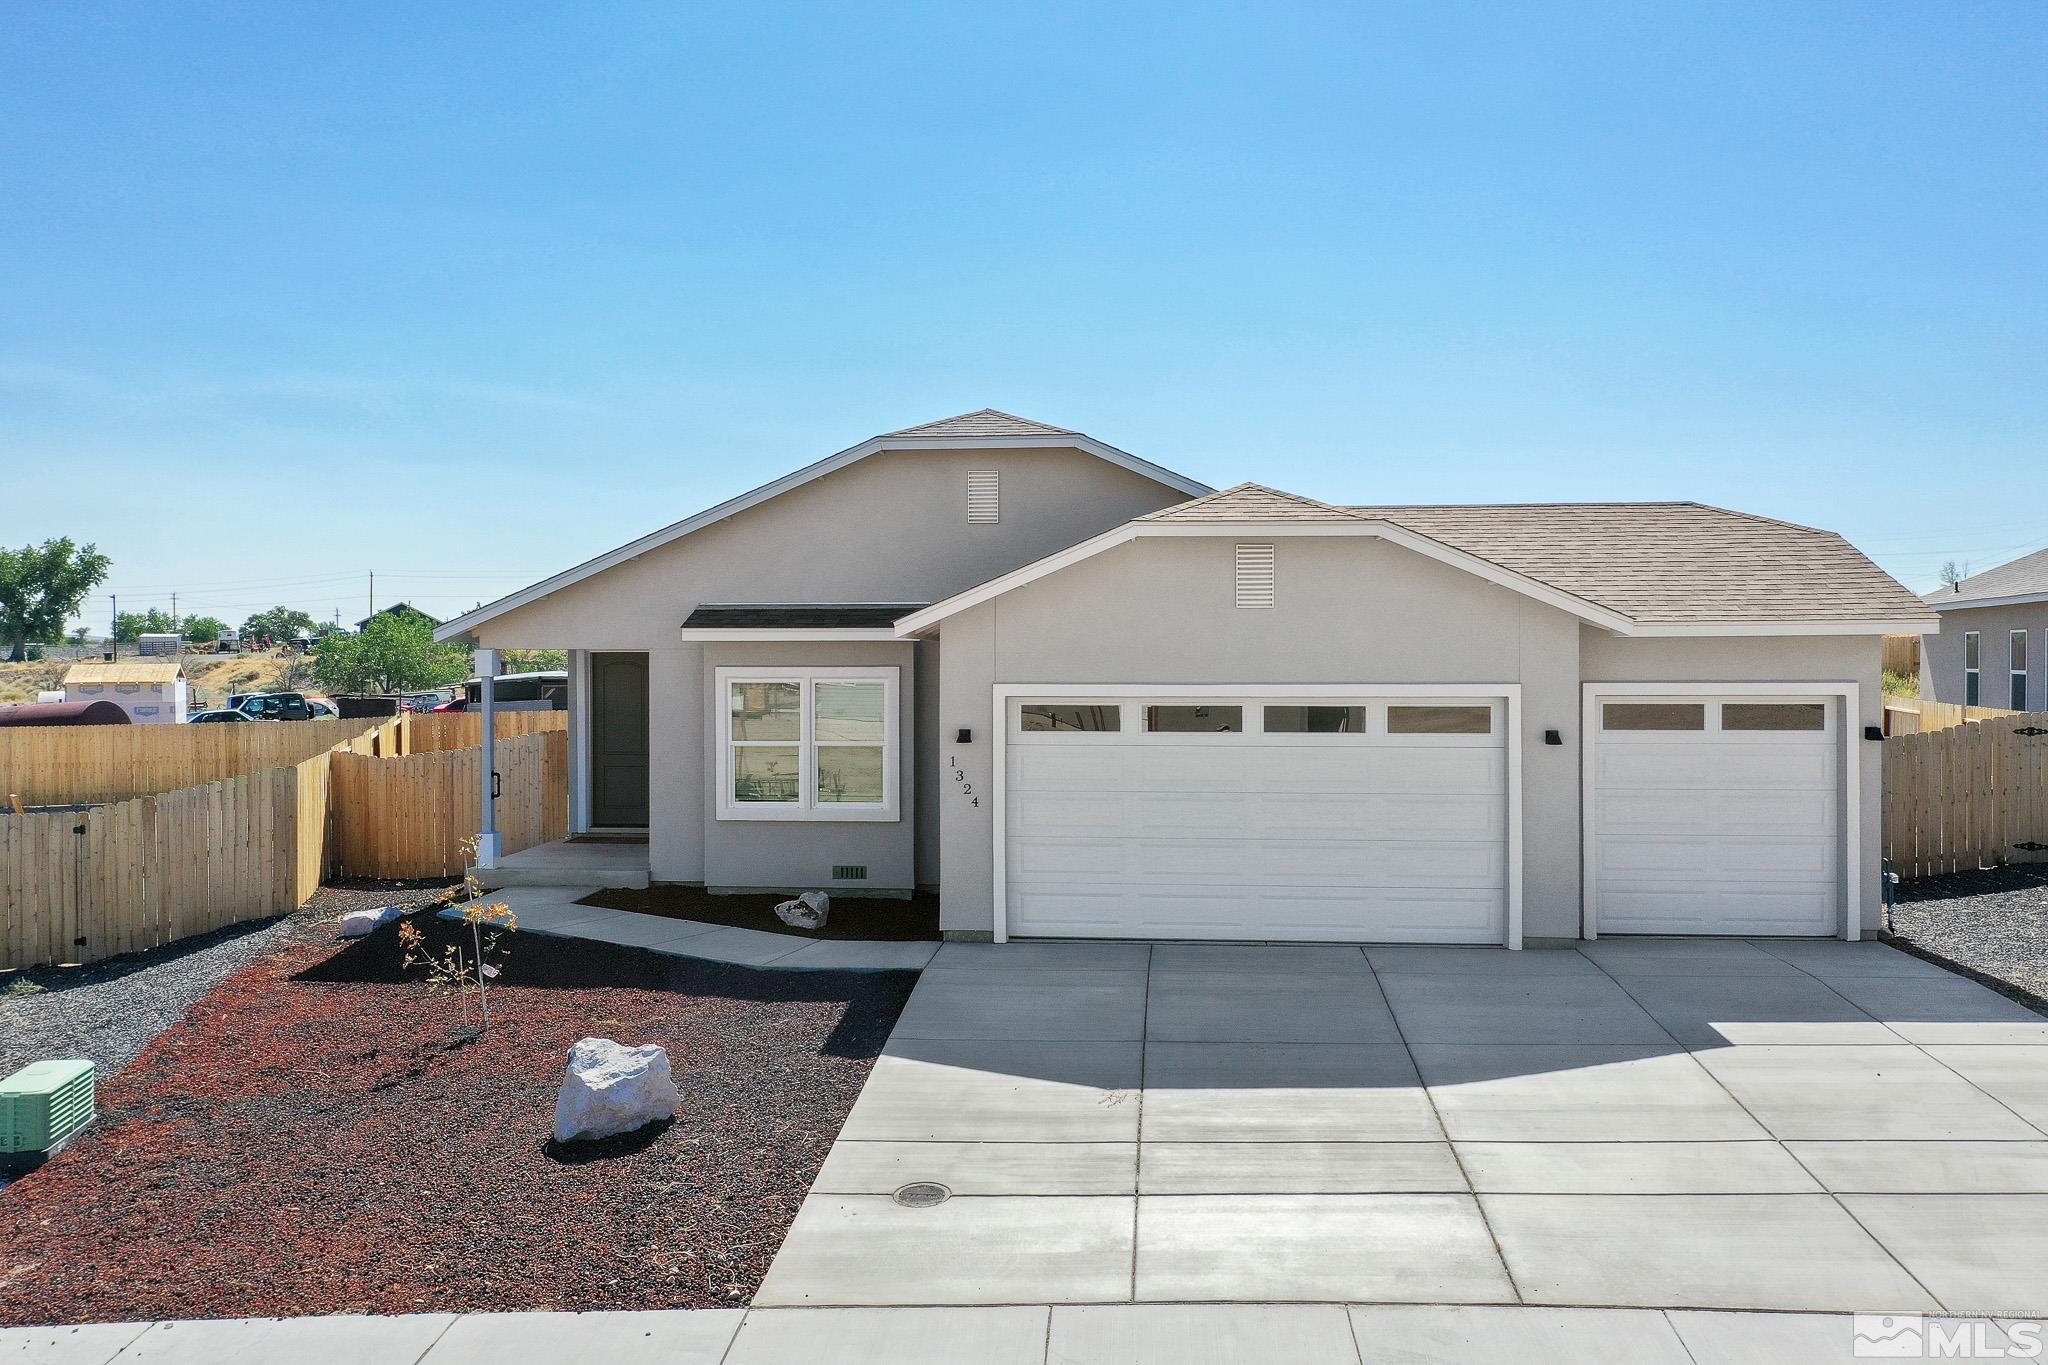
(280, 623)
(131, 626)
(78, 634)
(394, 652)
(1951, 575)
(535, 660)
(203, 627)
(41, 586)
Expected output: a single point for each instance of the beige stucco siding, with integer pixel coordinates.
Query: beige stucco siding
(1350, 611)
(1941, 655)
(1797, 658)
(890, 528)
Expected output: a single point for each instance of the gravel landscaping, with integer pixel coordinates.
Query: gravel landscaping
(322, 1135)
(1991, 926)
(872, 919)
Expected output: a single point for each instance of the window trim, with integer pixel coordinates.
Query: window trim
(1973, 678)
(2016, 668)
(807, 806)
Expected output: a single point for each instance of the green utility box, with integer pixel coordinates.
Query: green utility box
(42, 1105)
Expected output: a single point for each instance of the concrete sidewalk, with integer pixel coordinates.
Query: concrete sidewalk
(1113, 1334)
(553, 911)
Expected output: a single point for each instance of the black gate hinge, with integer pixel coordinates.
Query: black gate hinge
(2031, 846)
(2031, 730)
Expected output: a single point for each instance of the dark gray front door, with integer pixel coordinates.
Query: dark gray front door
(618, 739)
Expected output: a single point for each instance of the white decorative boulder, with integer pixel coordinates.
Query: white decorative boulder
(612, 1089)
(808, 911)
(358, 923)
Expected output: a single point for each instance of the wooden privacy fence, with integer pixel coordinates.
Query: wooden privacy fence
(77, 886)
(1967, 796)
(410, 816)
(60, 765)
(1909, 716)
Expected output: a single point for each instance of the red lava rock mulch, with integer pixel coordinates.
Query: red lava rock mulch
(319, 1136)
(869, 918)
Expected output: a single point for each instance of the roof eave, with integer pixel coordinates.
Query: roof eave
(2018, 599)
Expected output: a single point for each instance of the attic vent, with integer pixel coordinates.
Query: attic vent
(981, 495)
(1255, 575)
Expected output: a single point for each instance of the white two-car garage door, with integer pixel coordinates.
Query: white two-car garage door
(1359, 818)
(1716, 815)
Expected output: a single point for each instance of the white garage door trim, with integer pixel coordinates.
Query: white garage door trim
(1509, 693)
(1849, 694)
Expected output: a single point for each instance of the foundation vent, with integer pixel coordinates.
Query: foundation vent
(849, 872)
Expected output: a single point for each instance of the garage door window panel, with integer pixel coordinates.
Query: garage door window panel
(1197, 718)
(1315, 720)
(1439, 720)
(1653, 715)
(1069, 718)
(1789, 716)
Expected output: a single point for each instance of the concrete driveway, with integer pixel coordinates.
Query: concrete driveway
(1654, 1123)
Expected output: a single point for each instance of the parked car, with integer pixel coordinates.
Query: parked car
(272, 705)
(321, 710)
(217, 717)
(548, 691)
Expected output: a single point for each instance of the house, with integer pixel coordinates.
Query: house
(1085, 696)
(1987, 649)
(398, 609)
(151, 691)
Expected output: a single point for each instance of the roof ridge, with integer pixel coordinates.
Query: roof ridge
(1266, 490)
(936, 427)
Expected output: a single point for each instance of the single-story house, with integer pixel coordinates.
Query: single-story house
(152, 691)
(1085, 696)
(1987, 648)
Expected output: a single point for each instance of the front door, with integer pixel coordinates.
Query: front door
(618, 741)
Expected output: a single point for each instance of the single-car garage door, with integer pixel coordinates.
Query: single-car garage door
(1364, 818)
(1716, 815)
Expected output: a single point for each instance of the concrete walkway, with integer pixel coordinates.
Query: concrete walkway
(552, 910)
(1807, 1126)
(1142, 1334)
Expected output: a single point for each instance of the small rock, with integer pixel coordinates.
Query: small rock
(808, 911)
(358, 923)
(611, 1089)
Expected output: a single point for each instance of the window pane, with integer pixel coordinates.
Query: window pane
(1774, 715)
(767, 710)
(1194, 720)
(851, 710)
(764, 772)
(1315, 720)
(2018, 650)
(1970, 642)
(1653, 715)
(2018, 698)
(850, 776)
(1035, 717)
(1439, 720)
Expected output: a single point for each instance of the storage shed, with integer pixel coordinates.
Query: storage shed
(151, 691)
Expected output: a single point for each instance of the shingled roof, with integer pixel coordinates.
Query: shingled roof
(2026, 576)
(1665, 563)
(987, 422)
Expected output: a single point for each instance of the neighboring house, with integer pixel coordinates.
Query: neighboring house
(1988, 648)
(1085, 696)
(398, 609)
(151, 691)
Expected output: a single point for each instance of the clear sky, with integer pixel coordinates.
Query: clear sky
(465, 293)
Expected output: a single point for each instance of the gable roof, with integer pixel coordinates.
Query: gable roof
(1635, 568)
(2022, 580)
(103, 671)
(986, 422)
(952, 433)
(798, 615)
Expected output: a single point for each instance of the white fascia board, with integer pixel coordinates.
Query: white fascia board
(1265, 530)
(2023, 599)
(464, 624)
(1909, 626)
(726, 635)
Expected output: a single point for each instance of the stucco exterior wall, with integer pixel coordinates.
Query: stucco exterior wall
(1349, 611)
(1782, 658)
(1941, 655)
(890, 528)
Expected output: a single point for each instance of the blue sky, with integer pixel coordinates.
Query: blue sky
(467, 293)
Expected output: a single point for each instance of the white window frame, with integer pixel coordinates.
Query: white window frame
(1505, 698)
(1843, 722)
(2016, 669)
(807, 806)
(1973, 678)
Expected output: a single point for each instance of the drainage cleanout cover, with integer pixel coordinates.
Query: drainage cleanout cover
(922, 1194)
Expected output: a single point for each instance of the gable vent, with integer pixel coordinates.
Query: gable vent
(1255, 575)
(981, 495)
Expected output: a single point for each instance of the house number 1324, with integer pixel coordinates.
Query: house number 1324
(960, 782)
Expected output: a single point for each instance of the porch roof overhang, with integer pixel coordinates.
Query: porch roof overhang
(797, 620)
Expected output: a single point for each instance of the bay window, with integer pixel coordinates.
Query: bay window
(807, 744)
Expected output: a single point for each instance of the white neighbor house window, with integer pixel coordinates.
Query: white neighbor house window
(807, 744)
(2016, 664)
(1971, 641)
